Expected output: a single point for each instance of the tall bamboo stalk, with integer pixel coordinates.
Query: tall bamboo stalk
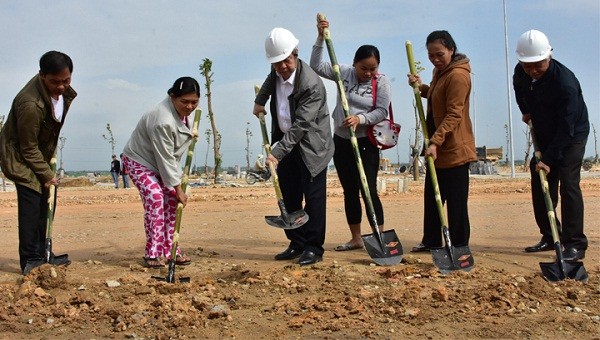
(185, 179)
(205, 69)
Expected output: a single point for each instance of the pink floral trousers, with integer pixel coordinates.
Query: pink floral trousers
(160, 209)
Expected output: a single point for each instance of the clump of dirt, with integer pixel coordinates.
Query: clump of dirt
(48, 276)
(343, 301)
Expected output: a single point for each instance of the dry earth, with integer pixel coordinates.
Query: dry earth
(238, 291)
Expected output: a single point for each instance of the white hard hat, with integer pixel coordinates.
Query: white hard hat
(280, 43)
(260, 156)
(533, 46)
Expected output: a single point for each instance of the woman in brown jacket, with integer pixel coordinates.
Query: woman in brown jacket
(451, 141)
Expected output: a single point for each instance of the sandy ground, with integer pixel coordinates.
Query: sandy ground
(238, 291)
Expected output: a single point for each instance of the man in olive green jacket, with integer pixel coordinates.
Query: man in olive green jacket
(27, 143)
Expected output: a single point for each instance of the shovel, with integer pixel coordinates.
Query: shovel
(561, 269)
(384, 248)
(447, 258)
(170, 278)
(49, 256)
(287, 220)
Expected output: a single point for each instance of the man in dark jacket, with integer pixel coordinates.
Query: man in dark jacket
(549, 95)
(301, 127)
(27, 144)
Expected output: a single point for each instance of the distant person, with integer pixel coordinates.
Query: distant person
(152, 156)
(115, 170)
(451, 140)
(365, 110)
(28, 142)
(260, 167)
(302, 133)
(549, 95)
(124, 173)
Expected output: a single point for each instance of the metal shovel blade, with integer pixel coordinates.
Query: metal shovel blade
(295, 220)
(455, 258)
(170, 278)
(388, 255)
(572, 270)
(60, 260)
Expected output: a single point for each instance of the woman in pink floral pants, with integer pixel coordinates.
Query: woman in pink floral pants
(152, 155)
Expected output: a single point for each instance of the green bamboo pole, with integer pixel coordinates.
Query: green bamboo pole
(184, 183)
(430, 163)
(548, 201)
(267, 146)
(361, 171)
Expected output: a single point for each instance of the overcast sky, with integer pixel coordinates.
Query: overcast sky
(128, 53)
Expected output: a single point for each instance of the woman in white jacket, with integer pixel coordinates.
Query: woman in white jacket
(152, 156)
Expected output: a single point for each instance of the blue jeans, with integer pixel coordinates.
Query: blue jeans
(115, 177)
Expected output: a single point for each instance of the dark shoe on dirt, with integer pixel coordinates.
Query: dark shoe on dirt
(419, 248)
(540, 246)
(308, 257)
(32, 263)
(573, 254)
(153, 262)
(288, 254)
(60, 260)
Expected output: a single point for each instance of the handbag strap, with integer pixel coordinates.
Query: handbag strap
(374, 90)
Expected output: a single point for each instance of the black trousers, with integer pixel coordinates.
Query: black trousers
(297, 185)
(32, 212)
(347, 170)
(454, 189)
(567, 175)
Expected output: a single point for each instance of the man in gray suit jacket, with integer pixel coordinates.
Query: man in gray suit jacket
(301, 127)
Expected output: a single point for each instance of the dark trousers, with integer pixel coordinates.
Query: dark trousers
(454, 189)
(32, 211)
(347, 170)
(297, 185)
(566, 174)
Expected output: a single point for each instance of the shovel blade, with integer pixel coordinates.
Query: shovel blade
(296, 220)
(449, 259)
(572, 270)
(389, 254)
(170, 278)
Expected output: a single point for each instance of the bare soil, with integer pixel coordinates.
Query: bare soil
(238, 291)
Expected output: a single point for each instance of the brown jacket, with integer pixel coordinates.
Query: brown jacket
(28, 139)
(448, 104)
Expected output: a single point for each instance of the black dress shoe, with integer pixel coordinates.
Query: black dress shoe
(419, 248)
(308, 257)
(288, 254)
(573, 254)
(540, 246)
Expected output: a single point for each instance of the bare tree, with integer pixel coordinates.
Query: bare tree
(110, 138)
(416, 146)
(208, 134)
(1, 173)
(205, 70)
(248, 135)
(61, 144)
(596, 161)
(527, 149)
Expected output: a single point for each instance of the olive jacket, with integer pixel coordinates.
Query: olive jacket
(28, 139)
(448, 121)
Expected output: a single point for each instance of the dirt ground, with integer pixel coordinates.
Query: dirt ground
(238, 291)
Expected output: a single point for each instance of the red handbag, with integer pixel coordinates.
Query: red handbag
(384, 134)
